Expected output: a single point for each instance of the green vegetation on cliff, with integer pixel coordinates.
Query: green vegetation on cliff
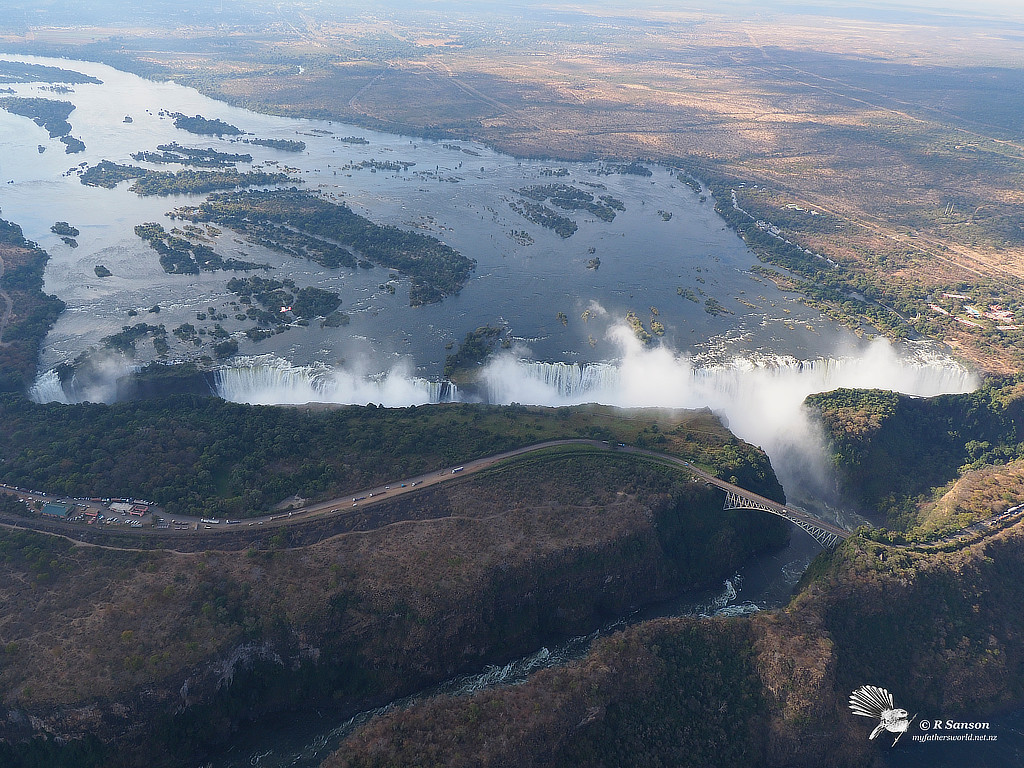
(940, 625)
(32, 312)
(210, 457)
(892, 450)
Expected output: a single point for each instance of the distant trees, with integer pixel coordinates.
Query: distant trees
(303, 224)
(33, 312)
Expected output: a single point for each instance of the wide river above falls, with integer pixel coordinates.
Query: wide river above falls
(667, 250)
(732, 341)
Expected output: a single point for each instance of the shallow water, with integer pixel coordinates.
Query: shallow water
(644, 259)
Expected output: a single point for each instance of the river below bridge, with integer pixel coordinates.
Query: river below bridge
(304, 741)
(732, 341)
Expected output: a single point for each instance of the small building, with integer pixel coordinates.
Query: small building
(123, 507)
(61, 511)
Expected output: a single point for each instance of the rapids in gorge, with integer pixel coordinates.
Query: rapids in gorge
(654, 264)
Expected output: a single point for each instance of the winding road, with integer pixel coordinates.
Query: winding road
(370, 497)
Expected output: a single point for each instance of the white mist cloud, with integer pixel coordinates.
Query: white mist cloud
(269, 380)
(95, 381)
(760, 402)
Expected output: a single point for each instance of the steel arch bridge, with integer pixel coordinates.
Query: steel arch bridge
(826, 535)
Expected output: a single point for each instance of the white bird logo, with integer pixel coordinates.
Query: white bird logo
(872, 701)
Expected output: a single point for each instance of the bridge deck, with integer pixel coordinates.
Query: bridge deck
(827, 534)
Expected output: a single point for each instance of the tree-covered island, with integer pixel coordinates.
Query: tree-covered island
(303, 224)
(203, 126)
(200, 158)
(179, 255)
(185, 182)
(49, 114)
(571, 198)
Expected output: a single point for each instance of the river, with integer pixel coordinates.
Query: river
(732, 342)
(456, 191)
(304, 742)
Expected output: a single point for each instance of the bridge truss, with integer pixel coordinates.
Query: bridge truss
(826, 538)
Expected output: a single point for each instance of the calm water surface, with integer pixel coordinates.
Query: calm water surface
(459, 195)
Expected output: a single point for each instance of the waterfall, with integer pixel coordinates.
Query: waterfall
(759, 398)
(48, 389)
(94, 383)
(270, 380)
(655, 380)
(510, 380)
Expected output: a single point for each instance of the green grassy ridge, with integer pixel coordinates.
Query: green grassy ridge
(892, 450)
(210, 457)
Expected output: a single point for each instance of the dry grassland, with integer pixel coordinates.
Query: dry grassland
(907, 131)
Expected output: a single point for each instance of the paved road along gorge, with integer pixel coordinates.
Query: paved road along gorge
(370, 497)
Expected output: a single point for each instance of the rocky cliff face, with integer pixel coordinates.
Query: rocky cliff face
(164, 654)
(942, 629)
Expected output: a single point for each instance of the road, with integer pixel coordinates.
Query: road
(372, 497)
(380, 494)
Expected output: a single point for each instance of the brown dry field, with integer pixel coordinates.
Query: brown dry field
(908, 132)
(978, 494)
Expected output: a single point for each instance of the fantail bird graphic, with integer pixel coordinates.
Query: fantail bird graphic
(872, 701)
